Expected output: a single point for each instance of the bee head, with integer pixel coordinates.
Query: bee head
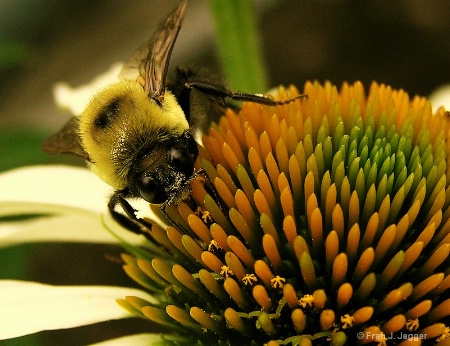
(169, 172)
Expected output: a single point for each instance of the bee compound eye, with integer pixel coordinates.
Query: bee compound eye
(182, 160)
(151, 190)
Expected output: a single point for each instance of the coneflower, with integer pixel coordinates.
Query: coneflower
(328, 223)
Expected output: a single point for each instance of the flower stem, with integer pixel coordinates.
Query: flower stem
(239, 45)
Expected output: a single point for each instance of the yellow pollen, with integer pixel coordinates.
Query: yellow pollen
(347, 321)
(412, 325)
(249, 279)
(277, 282)
(444, 335)
(306, 300)
(381, 339)
(204, 214)
(226, 271)
(213, 246)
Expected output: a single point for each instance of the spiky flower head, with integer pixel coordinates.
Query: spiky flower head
(327, 222)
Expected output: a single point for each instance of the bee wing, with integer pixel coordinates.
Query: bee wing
(150, 62)
(66, 141)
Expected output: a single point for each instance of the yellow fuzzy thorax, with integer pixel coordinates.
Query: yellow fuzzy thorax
(137, 115)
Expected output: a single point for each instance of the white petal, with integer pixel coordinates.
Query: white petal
(75, 198)
(59, 185)
(134, 340)
(76, 99)
(55, 184)
(69, 225)
(440, 97)
(30, 307)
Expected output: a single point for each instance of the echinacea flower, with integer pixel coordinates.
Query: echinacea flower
(320, 222)
(327, 223)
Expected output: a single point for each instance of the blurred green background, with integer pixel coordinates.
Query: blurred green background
(404, 43)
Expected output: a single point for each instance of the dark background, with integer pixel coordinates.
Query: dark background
(402, 43)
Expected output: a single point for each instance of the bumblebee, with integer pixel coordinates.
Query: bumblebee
(138, 134)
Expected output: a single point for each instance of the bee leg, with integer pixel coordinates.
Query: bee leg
(164, 212)
(223, 92)
(213, 190)
(171, 220)
(129, 220)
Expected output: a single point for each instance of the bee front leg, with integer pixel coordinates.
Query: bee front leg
(130, 221)
(212, 189)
